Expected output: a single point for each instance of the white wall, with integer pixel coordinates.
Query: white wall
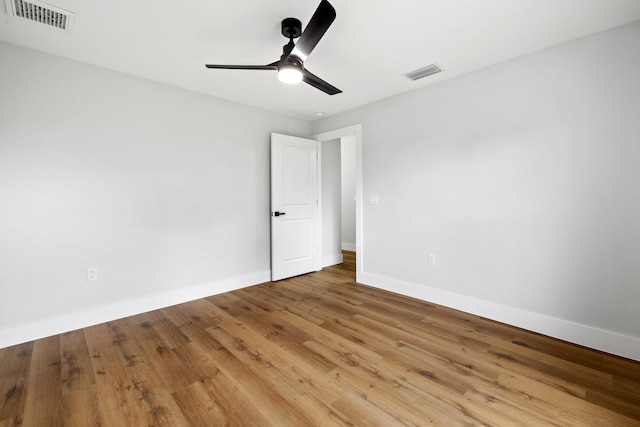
(331, 202)
(348, 186)
(165, 191)
(523, 179)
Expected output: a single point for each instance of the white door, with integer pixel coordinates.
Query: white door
(295, 243)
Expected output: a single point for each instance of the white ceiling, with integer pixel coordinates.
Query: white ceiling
(365, 53)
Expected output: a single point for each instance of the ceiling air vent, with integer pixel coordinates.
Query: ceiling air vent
(424, 72)
(41, 13)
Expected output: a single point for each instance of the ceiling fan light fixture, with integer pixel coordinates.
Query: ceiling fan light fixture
(290, 66)
(289, 74)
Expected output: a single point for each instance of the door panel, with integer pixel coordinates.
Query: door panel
(294, 206)
(296, 236)
(295, 175)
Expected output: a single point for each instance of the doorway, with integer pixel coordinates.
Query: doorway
(353, 137)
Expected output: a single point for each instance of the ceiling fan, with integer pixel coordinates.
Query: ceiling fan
(290, 66)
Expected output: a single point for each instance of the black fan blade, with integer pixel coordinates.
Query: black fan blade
(318, 83)
(243, 67)
(317, 26)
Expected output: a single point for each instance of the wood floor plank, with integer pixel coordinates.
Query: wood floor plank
(11, 422)
(81, 408)
(229, 393)
(410, 385)
(364, 412)
(288, 338)
(357, 376)
(160, 355)
(44, 385)
(288, 300)
(268, 362)
(562, 404)
(77, 372)
(119, 401)
(193, 327)
(198, 407)
(14, 369)
(313, 350)
(253, 377)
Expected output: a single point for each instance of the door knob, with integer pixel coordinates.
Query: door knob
(276, 213)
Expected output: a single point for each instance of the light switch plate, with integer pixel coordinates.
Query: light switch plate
(374, 199)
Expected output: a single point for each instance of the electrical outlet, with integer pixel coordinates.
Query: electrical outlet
(92, 274)
(432, 259)
(374, 199)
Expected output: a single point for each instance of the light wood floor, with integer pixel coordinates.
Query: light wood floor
(312, 350)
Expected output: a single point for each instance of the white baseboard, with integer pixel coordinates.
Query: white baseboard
(348, 247)
(72, 321)
(588, 336)
(331, 260)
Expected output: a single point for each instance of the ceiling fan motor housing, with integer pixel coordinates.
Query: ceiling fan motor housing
(291, 28)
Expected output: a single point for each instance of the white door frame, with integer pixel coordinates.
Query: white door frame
(355, 130)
